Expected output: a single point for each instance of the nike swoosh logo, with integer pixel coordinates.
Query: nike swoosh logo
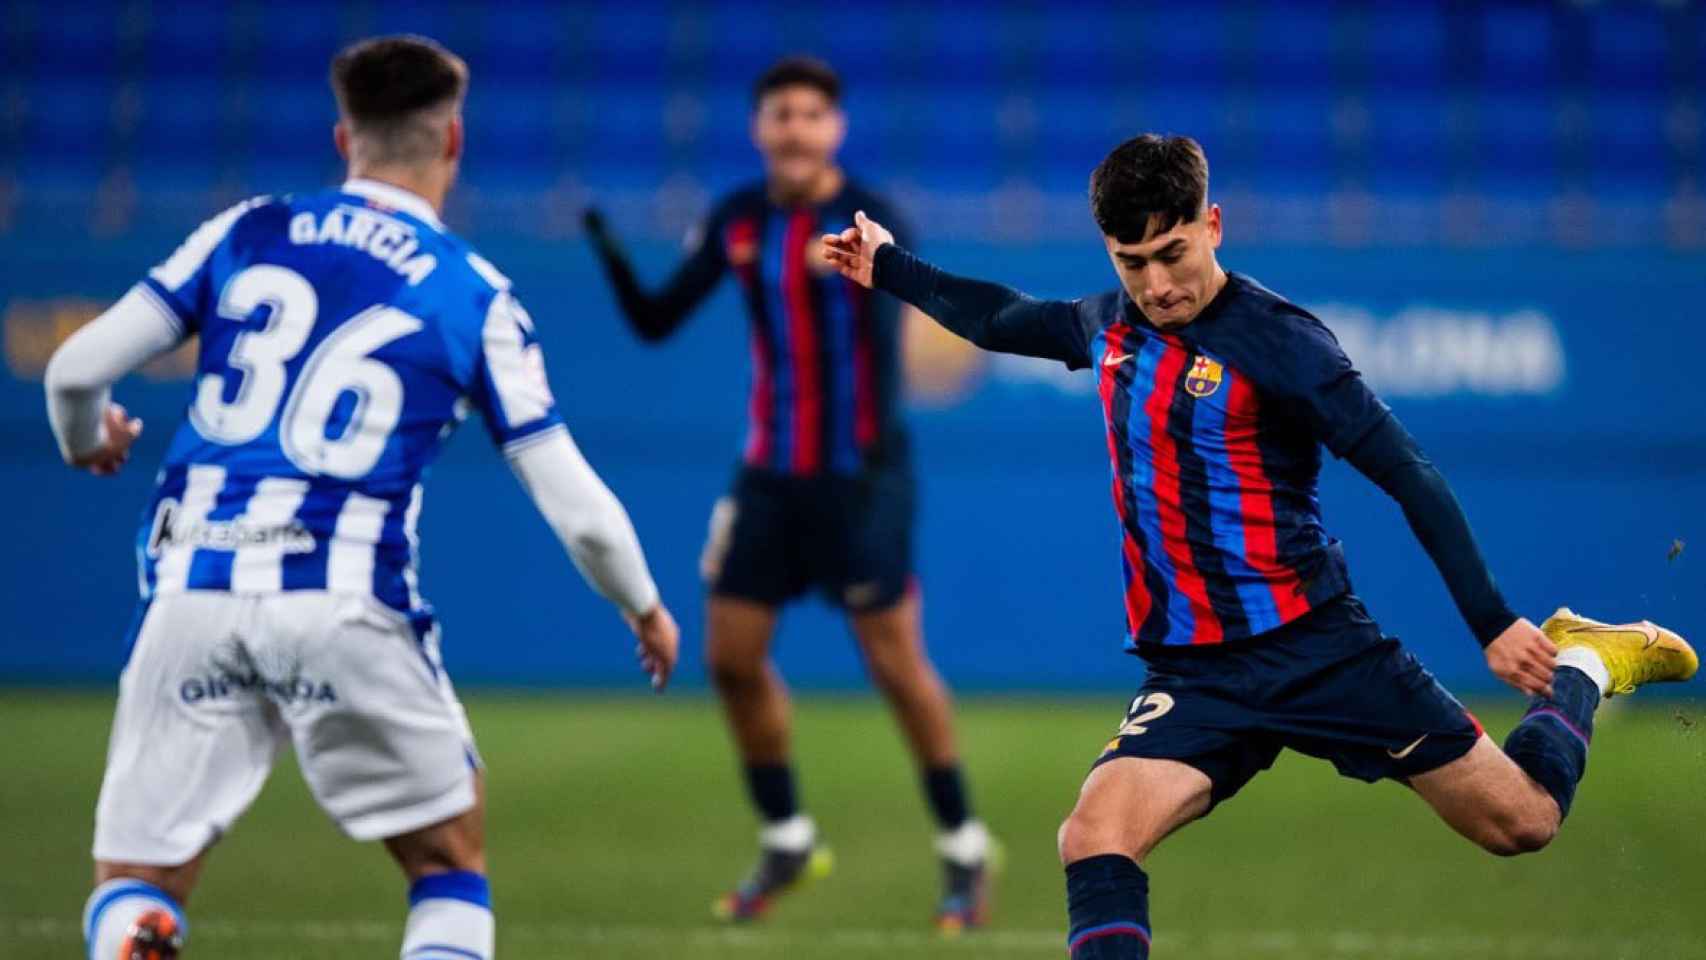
(1401, 754)
(1644, 628)
(1115, 359)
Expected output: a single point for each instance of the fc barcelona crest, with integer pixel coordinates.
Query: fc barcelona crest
(1204, 377)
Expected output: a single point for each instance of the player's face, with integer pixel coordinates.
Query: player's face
(1172, 275)
(798, 130)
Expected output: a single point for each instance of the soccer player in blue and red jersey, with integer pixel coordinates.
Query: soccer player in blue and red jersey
(824, 494)
(1218, 395)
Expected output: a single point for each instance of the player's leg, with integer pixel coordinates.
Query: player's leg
(863, 546)
(754, 699)
(1513, 801)
(1485, 796)
(757, 709)
(892, 641)
(752, 567)
(1127, 806)
(387, 752)
(450, 901)
(1164, 768)
(191, 735)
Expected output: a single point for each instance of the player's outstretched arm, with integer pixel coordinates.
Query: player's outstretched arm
(655, 316)
(988, 314)
(94, 433)
(599, 537)
(1517, 652)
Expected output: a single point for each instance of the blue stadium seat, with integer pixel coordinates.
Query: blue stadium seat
(1404, 45)
(291, 120)
(75, 41)
(68, 118)
(296, 41)
(1520, 47)
(1517, 144)
(528, 43)
(1629, 48)
(191, 39)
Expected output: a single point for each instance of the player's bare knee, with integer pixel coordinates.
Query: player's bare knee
(1517, 832)
(1085, 834)
(733, 673)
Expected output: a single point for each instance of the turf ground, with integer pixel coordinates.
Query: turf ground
(614, 821)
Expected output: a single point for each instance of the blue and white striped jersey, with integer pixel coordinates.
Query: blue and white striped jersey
(343, 336)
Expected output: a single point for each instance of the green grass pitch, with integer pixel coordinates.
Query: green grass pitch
(614, 821)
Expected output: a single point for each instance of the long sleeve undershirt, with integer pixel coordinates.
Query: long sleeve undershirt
(656, 316)
(1002, 319)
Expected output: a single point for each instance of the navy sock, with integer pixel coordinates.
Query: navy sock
(772, 788)
(1107, 899)
(946, 789)
(1551, 742)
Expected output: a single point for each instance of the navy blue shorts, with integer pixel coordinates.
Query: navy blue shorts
(777, 535)
(1328, 684)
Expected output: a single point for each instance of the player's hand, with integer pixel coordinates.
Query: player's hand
(853, 251)
(660, 643)
(1523, 657)
(121, 431)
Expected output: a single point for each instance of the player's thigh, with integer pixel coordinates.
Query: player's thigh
(1181, 748)
(737, 637)
(382, 740)
(456, 843)
(193, 737)
(1128, 805)
(892, 641)
(1487, 798)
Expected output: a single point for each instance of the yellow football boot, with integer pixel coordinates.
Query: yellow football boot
(1633, 653)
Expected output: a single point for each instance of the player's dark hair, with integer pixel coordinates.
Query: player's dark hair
(1148, 182)
(386, 84)
(798, 72)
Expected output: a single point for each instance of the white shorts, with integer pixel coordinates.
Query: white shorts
(216, 684)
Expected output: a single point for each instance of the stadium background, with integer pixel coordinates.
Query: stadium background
(1498, 207)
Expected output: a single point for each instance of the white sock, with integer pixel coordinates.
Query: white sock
(796, 834)
(450, 918)
(1588, 662)
(967, 845)
(114, 906)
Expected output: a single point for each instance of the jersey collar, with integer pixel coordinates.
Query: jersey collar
(394, 197)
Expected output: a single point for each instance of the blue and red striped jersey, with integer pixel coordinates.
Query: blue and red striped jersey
(1214, 429)
(825, 351)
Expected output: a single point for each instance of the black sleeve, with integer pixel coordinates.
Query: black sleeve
(992, 316)
(1389, 456)
(656, 316)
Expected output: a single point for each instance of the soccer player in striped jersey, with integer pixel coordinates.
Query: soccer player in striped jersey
(824, 494)
(343, 335)
(1217, 395)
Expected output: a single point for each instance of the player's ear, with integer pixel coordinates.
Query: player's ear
(340, 139)
(838, 119)
(453, 141)
(1214, 226)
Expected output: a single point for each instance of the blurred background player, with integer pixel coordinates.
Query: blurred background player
(341, 335)
(1217, 396)
(824, 495)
